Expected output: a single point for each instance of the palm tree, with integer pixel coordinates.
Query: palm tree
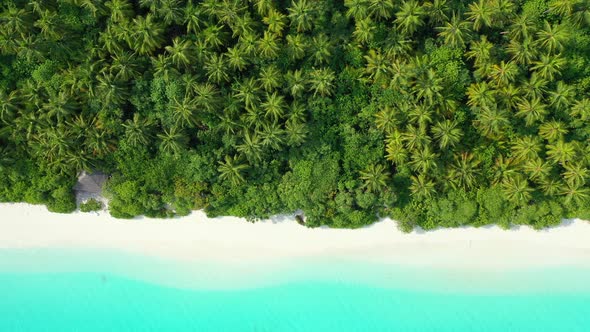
(137, 131)
(552, 130)
(206, 96)
(523, 27)
(491, 122)
(216, 68)
(181, 52)
(550, 186)
(537, 169)
(301, 15)
(480, 51)
(377, 66)
(110, 90)
(423, 160)
(48, 24)
(94, 6)
(99, 142)
(532, 110)
(516, 189)
(577, 194)
(562, 96)
(401, 73)
(16, 21)
(508, 95)
(561, 152)
(274, 106)
(375, 177)
(270, 78)
(552, 37)
(172, 141)
(276, 21)
(37, 6)
(8, 105)
(263, 6)
(296, 45)
(5, 159)
(447, 133)
(381, 9)
(321, 81)
(251, 147)
(228, 122)
(481, 13)
(437, 11)
(163, 67)
(563, 7)
(124, 66)
(321, 49)
(428, 86)
(525, 148)
(228, 12)
(254, 117)
(386, 120)
(415, 137)
(272, 136)
(231, 170)
(145, 35)
(364, 30)
(534, 87)
(78, 160)
(170, 11)
(184, 112)
(111, 39)
(420, 114)
(522, 53)
(504, 12)
(213, 36)
(268, 45)
(296, 82)
(410, 17)
(242, 24)
(247, 92)
(548, 67)
(455, 32)
(357, 9)
(480, 94)
(581, 109)
(575, 174)
(464, 172)
(248, 43)
(396, 152)
(504, 73)
(297, 112)
(422, 187)
(59, 106)
(192, 17)
(54, 144)
(236, 58)
(120, 10)
(295, 133)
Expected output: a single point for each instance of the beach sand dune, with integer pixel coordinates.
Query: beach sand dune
(230, 239)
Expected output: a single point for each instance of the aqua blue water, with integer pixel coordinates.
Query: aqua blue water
(100, 300)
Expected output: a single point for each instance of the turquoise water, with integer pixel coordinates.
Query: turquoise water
(103, 297)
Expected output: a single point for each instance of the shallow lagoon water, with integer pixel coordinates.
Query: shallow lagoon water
(59, 290)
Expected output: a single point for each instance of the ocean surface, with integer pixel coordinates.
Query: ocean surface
(60, 290)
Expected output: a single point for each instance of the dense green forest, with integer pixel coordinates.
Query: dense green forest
(436, 113)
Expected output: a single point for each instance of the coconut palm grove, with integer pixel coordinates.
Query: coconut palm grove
(436, 113)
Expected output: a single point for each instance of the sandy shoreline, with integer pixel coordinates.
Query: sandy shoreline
(229, 239)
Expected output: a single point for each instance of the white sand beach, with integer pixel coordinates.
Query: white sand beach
(230, 239)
